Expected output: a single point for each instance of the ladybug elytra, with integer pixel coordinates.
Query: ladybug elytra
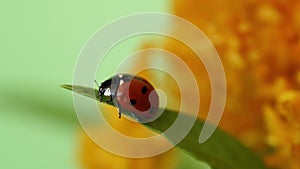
(132, 93)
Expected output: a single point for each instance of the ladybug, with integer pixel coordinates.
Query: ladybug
(130, 93)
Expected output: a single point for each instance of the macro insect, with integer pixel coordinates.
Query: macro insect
(130, 93)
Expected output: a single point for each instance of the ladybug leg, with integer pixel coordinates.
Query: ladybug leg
(119, 108)
(119, 112)
(109, 101)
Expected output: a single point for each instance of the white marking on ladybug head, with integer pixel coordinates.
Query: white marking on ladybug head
(107, 92)
(121, 81)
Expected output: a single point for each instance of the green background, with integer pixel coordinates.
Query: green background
(40, 42)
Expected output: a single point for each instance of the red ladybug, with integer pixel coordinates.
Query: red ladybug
(132, 93)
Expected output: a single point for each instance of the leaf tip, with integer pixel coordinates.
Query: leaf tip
(66, 86)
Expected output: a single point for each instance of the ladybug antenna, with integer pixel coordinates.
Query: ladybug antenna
(96, 83)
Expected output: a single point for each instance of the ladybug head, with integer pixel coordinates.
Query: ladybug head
(105, 92)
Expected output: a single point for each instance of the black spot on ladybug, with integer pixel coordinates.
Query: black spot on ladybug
(133, 102)
(144, 89)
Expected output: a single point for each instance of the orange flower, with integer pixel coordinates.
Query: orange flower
(259, 45)
(282, 123)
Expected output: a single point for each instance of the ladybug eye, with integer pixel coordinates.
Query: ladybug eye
(144, 89)
(133, 102)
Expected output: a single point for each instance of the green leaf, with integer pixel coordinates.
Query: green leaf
(220, 151)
